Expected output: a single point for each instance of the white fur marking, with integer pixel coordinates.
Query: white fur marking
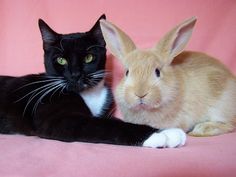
(95, 98)
(172, 137)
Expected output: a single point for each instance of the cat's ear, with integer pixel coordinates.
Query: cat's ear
(48, 35)
(117, 41)
(97, 32)
(174, 42)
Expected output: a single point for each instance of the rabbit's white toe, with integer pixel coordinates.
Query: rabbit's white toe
(173, 137)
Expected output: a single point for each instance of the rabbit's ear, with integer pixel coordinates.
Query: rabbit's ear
(174, 42)
(117, 41)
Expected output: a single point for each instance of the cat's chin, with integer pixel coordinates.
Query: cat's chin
(78, 88)
(75, 89)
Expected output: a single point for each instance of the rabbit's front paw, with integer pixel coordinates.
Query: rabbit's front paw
(172, 137)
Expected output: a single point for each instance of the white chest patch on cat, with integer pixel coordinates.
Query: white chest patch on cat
(95, 98)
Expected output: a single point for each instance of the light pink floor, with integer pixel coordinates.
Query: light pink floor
(33, 157)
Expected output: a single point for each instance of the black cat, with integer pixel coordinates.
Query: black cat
(71, 101)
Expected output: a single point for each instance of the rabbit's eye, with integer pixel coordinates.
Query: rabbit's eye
(127, 72)
(157, 71)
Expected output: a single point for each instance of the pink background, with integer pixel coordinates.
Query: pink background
(145, 21)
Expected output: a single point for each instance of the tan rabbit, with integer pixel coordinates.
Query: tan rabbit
(165, 87)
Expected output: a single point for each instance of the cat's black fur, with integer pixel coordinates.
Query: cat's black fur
(50, 105)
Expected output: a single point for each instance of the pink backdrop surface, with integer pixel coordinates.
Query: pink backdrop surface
(145, 21)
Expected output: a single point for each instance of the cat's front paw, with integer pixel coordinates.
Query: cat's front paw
(172, 137)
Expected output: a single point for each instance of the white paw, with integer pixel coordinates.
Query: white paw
(172, 137)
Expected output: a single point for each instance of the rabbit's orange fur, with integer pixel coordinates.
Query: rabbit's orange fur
(194, 92)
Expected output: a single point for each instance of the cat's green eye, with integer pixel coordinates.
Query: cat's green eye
(88, 58)
(61, 61)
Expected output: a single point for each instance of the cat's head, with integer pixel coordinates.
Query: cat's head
(77, 57)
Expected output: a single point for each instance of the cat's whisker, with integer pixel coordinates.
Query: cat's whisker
(99, 72)
(62, 85)
(98, 75)
(111, 113)
(44, 89)
(35, 90)
(96, 79)
(45, 94)
(36, 82)
(100, 46)
(53, 77)
(56, 88)
(34, 95)
(62, 89)
(91, 82)
(61, 45)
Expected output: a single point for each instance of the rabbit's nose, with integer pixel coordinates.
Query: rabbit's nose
(141, 96)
